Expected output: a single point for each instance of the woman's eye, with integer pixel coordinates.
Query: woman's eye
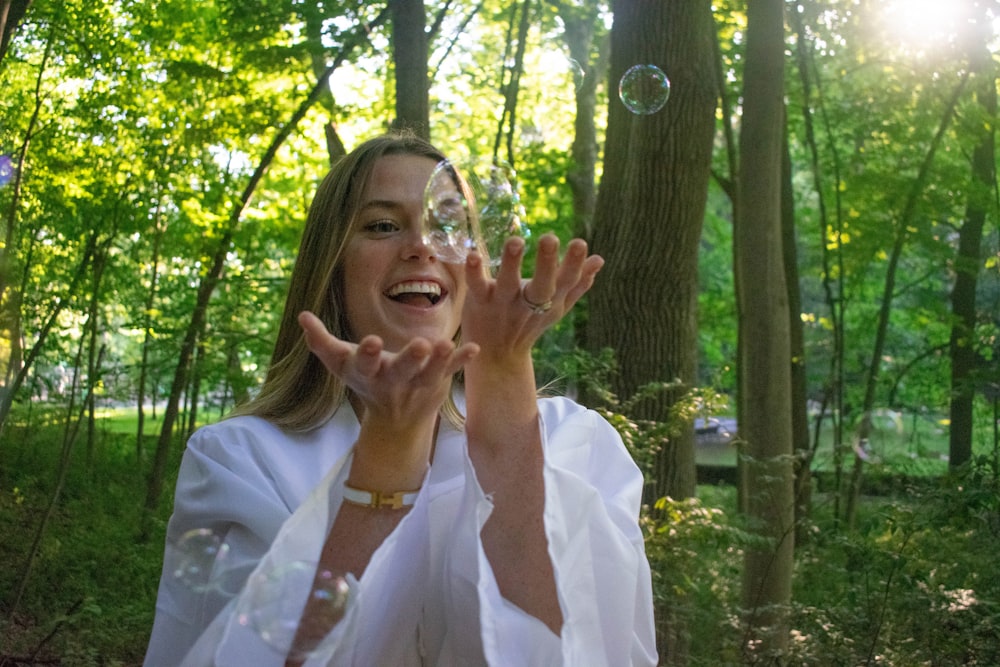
(381, 226)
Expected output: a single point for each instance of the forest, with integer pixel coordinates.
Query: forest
(796, 332)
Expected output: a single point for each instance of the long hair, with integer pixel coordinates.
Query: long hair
(298, 393)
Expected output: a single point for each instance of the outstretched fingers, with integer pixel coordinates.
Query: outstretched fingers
(419, 361)
(330, 350)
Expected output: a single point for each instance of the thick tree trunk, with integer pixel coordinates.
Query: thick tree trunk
(649, 214)
(765, 387)
(647, 225)
(11, 14)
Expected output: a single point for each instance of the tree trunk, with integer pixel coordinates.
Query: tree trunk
(579, 35)
(194, 391)
(510, 83)
(648, 218)
(647, 225)
(147, 332)
(58, 304)
(11, 14)
(969, 260)
(765, 387)
(409, 55)
(93, 333)
(800, 418)
(832, 279)
(314, 16)
(11, 298)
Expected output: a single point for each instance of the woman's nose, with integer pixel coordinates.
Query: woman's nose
(416, 246)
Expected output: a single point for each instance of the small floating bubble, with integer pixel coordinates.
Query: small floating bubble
(644, 89)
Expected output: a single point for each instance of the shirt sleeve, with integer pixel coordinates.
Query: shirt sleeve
(221, 490)
(592, 500)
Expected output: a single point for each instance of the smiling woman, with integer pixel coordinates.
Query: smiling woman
(397, 493)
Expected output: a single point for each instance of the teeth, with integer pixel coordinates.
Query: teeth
(419, 287)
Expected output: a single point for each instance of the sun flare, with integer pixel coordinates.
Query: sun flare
(922, 21)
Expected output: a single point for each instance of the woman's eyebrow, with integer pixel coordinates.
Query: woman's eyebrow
(381, 203)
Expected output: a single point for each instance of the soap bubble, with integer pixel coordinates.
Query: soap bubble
(274, 610)
(644, 89)
(577, 71)
(6, 170)
(200, 557)
(461, 192)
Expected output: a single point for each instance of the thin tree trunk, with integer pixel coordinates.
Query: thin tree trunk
(765, 385)
(58, 304)
(69, 439)
(728, 183)
(510, 80)
(800, 417)
(969, 260)
(832, 280)
(10, 303)
(147, 332)
(888, 292)
(93, 364)
(194, 392)
(581, 177)
(314, 19)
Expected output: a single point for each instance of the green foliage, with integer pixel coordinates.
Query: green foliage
(912, 585)
(695, 551)
(575, 370)
(90, 598)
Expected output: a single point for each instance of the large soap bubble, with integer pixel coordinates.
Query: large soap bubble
(464, 192)
(200, 556)
(275, 611)
(644, 89)
(199, 560)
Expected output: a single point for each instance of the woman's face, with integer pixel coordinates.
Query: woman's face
(394, 286)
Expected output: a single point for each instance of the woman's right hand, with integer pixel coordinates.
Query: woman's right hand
(400, 393)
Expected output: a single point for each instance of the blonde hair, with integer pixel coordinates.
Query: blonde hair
(298, 393)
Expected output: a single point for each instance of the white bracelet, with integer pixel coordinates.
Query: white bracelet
(378, 499)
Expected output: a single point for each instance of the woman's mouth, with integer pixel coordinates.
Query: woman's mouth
(415, 292)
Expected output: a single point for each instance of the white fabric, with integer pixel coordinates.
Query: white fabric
(428, 596)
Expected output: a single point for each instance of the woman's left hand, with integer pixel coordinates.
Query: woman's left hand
(506, 316)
